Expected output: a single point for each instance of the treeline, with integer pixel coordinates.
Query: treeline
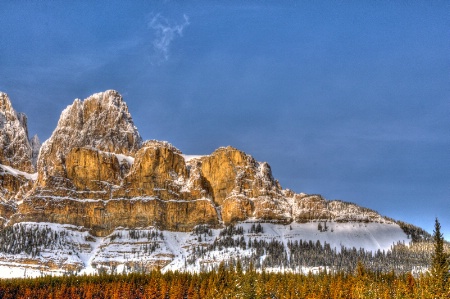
(30, 239)
(249, 247)
(228, 283)
(416, 234)
(297, 255)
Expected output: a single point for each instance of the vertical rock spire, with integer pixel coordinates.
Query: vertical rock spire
(102, 121)
(15, 149)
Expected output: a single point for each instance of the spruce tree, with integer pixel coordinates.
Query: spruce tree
(439, 265)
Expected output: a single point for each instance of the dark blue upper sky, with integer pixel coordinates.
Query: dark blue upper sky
(349, 99)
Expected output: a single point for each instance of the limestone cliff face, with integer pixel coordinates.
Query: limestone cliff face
(91, 169)
(160, 187)
(158, 170)
(232, 172)
(244, 187)
(95, 172)
(103, 216)
(101, 121)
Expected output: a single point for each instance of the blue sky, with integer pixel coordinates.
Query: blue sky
(348, 99)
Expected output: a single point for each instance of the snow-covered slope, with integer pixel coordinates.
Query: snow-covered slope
(33, 249)
(15, 172)
(104, 200)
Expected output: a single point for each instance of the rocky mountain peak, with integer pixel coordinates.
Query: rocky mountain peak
(102, 121)
(95, 171)
(5, 104)
(15, 149)
(97, 181)
(159, 144)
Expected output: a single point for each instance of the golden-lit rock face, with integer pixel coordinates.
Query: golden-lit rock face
(102, 216)
(243, 187)
(232, 172)
(102, 121)
(236, 208)
(90, 169)
(221, 170)
(95, 172)
(7, 209)
(158, 170)
(13, 187)
(158, 188)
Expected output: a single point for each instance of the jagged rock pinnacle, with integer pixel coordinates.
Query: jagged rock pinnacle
(101, 121)
(15, 149)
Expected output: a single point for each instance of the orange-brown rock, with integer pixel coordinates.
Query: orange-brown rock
(13, 186)
(221, 170)
(236, 208)
(7, 209)
(91, 169)
(158, 170)
(244, 187)
(103, 216)
(95, 172)
(101, 121)
(230, 171)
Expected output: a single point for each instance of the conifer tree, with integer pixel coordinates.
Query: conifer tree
(439, 265)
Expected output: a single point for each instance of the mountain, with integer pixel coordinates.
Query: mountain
(15, 158)
(103, 199)
(16, 150)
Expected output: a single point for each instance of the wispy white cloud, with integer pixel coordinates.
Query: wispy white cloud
(166, 31)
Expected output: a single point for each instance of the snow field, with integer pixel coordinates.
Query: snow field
(126, 250)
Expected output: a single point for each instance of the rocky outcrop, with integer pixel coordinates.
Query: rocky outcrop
(7, 209)
(95, 172)
(158, 170)
(101, 121)
(92, 170)
(14, 184)
(232, 172)
(307, 208)
(237, 208)
(15, 158)
(103, 216)
(15, 149)
(244, 187)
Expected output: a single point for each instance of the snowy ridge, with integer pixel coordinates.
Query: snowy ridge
(188, 158)
(122, 158)
(15, 172)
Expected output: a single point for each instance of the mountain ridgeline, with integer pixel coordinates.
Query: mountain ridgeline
(96, 175)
